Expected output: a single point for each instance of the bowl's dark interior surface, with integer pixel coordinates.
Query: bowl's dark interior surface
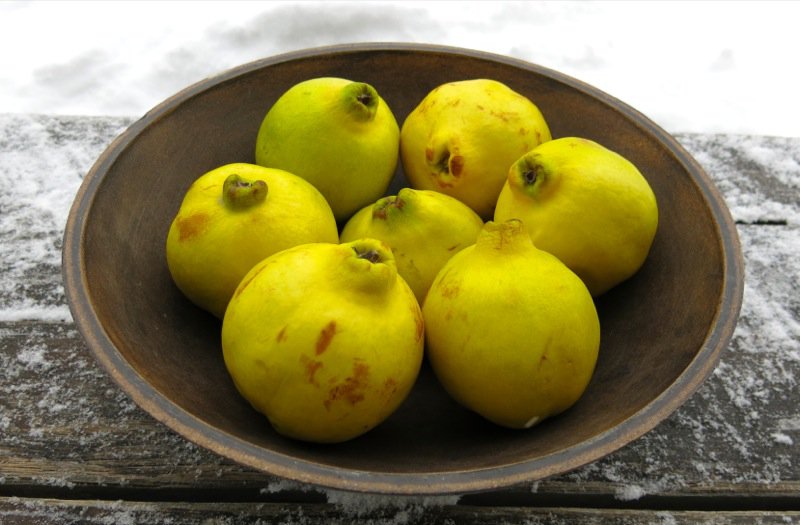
(653, 325)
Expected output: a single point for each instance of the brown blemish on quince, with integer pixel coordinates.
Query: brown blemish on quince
(281, 335)
(191, 226)
(352, 389)
(456, 165)
(325, 336)
(311, 367)
(379, 210)
(389, 387)
(505, 116)
(450, 290)
(542, 359)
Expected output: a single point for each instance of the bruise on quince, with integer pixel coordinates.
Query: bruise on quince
(325, 337)
(352, 388)
(191, 226)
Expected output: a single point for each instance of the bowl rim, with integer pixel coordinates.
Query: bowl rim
(428, 483)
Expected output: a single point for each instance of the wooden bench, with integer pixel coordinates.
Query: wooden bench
(75, 449)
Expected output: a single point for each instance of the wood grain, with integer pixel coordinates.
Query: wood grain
(19, 511)
(72, 445)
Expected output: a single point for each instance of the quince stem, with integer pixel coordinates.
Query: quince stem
(360, 100)
(372, 256)
(381, 208)
(239, 193)
(508, 236)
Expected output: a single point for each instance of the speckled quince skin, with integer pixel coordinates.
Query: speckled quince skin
(325, 340)
(233, 217)
(423, 228)
(511, 333)
(463, 136)
(587, 205)
(338, 134)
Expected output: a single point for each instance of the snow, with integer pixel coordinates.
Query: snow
(740, 415)
(406, 509)
(629, 492)
(790, 423)
(783, 439)
(39, 182)
(34, 357)
(703, 67)
(749, 188)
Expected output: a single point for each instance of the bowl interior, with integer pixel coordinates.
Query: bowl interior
(166, 353)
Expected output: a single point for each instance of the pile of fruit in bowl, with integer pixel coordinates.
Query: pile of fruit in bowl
(331, 293)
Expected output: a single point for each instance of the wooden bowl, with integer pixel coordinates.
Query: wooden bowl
(662, 331)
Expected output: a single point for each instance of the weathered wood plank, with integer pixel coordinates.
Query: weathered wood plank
(759, 177)
(42, 162)
(67, 431)
(23, 511)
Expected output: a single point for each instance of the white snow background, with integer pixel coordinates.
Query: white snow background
(706, 67)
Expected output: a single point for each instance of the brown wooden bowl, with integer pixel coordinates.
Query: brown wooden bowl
(663, 330)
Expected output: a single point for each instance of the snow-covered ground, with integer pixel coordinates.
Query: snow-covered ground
(715, 66)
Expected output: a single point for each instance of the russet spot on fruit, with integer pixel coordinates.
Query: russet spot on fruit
(462, 137)
(511, 333)
(234, 216)
(324, 339)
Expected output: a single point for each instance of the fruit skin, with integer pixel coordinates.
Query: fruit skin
(511, 332)
(585, 204)
(326, 343)
(339, 135)
(423, 228)
(212, 244)
(463, 136)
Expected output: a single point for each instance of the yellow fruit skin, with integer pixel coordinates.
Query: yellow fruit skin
(463, 136)
(423, 228)
(588, 206)
(325, 344)
(312, 131)
(511, 333)
(210, 246)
